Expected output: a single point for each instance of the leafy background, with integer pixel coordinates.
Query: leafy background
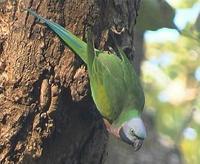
(171, 76)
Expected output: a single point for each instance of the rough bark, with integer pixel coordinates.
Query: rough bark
(46, 111)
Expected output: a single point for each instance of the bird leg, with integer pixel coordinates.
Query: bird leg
(111, 129)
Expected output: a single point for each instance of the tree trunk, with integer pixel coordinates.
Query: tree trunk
(46, 112)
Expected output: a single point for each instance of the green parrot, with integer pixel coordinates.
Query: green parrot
(116, 89)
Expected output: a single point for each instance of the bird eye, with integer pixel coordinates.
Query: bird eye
(132, 132)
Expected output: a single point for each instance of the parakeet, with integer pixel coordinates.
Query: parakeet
(115, 87)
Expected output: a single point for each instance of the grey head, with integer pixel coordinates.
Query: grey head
(133, 132)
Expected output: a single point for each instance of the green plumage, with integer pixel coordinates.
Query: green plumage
(115, 87)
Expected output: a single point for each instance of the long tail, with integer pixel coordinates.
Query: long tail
(90, 49)
(73, 42)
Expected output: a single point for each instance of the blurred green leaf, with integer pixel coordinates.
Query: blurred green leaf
(183, 3)
(172, 89)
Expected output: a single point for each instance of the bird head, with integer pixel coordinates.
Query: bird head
(133, 132)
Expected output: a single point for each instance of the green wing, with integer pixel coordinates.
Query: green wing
(115, 86)
(106, 85)
(135, 95)
(114, 83)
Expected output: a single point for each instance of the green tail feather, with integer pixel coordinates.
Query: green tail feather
(90, 49)
(73, 42)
